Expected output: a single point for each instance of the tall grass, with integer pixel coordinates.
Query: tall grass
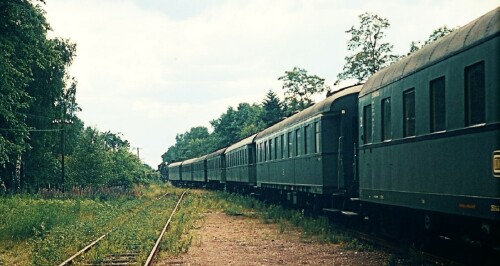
(44, 229)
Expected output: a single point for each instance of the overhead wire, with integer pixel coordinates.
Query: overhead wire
(30, 130)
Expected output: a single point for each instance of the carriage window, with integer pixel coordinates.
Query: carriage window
(367, 124)
(265, 150)
(409, 113)
(308, 136)
(316, 137)
(298, 142)
(474, 94)
(282, 143)
(250, 155)
(290, 143)
(386, 119)
(259, 152)
(271, 149)
(276, 148)
(438, 104)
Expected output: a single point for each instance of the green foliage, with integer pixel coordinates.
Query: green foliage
(371, 53)
(114, 141)
(299, 88)
(35, 91)
(237, 124)
(37, 231)
(273, 110)
(104, 159)
(193, 143)
(22, 47)
(435, 35)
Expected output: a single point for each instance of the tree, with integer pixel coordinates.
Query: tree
(53, 108)
(370, 52)
(299, 88)
(115, 142)
(193, 143)
(90, 164)
(272, 109)
(104, 159)
(237, 124)
(435, 35)
(32, 81)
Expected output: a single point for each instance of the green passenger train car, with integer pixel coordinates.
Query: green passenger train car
(240, 163)
(200, 169)
(216, 167)
(187, 170)
(306, 152)
(429, 127)
(174, 172)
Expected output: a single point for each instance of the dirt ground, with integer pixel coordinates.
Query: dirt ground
(241, 240)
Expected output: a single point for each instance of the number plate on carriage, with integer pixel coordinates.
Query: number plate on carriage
(496, 163)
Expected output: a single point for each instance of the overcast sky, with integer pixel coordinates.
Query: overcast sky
(153, 68)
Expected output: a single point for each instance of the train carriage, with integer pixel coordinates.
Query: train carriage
(240, 164)
(430, 128)
(312, 151)
(174, 172)
(200, 169)
(188, 170)
(216, 168)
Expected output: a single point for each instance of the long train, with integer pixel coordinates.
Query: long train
(416, 148)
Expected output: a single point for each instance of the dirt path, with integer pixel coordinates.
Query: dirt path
(238, 240)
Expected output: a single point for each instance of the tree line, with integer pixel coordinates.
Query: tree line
(42, 140)
(44, 143)
(369, 53)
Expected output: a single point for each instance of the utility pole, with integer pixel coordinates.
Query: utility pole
(63, 121)
(62, 153)
(138, 148)
(61, 129)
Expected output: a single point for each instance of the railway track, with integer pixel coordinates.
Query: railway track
(425, 258)
(127, 244)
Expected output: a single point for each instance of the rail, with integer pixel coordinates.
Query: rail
(154, 251)
(71, 259)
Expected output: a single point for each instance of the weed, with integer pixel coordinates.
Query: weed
(415, 255)
(391, 260)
